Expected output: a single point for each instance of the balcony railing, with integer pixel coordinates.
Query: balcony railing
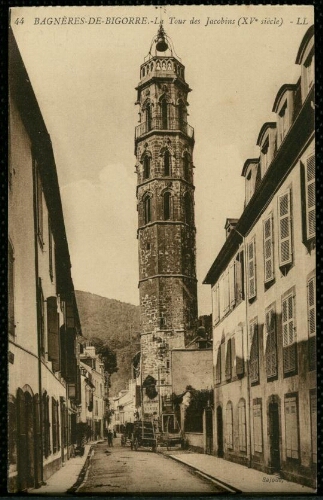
(159, 124)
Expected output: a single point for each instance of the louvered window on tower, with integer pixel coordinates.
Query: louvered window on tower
(252, 269)
(310, 198)
(268, 249)
(289, 334)
(285, 228)
(311, 312)
(147, 209)
(254, 352)
(146, 167)
(271, 343)
(166, 163)
(167, 205)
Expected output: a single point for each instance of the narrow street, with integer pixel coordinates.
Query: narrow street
(121, 470)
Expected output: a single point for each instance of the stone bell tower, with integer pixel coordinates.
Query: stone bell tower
(164, 143)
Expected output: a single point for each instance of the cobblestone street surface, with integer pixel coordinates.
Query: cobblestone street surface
(121, 470)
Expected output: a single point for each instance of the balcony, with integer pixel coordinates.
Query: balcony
(159, 124)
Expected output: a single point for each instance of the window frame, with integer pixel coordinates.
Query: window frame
(257, 409)
(242, 425)
(147, 209)
(282, 239)
(252, 289)
(167, 205)
(310, 209)
(311, 318)
(268, 243)
(229, 425)
(254, 352)
(271, 343)
(290, 357)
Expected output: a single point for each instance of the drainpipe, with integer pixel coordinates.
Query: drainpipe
(34, 172)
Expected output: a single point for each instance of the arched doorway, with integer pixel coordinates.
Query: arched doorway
(219, 427)
(26, 439)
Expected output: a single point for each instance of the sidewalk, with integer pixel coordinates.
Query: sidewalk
(238, 478)
(63, 480)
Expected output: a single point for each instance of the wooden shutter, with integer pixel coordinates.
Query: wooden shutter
(313, 407)
(311, 314)
(229, 425)
(242, 426)
(53, 333)
(268, 250)
(254, 352)
(228, 361)
(285, 229)
(310, 197)
(257, 428)
(291, 427)
(218, 366)
(232, 285)
(251, 269)
(222, 361)
(289, 336)
(271, 346)
(239, 351)
(238, 277)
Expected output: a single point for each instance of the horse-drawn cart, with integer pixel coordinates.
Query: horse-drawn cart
(144, 435)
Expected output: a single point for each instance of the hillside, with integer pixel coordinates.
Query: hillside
(115, 322)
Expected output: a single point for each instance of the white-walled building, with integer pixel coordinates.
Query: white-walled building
(263, 295)
(43, 321)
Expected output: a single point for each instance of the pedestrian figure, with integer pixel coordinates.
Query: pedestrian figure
(110, 438)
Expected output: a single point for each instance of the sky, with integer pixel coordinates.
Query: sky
(84, 77)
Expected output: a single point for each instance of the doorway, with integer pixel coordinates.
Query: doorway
(274, 436)
(219, 423)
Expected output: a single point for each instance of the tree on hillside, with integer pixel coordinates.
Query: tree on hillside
(109, 357)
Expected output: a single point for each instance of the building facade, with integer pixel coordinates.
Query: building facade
(263, 295)
(94, 388)
(166, 229)
(43, 321)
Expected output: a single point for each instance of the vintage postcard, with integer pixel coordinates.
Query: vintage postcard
(161, 250)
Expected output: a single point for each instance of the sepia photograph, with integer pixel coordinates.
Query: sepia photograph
(162, 250)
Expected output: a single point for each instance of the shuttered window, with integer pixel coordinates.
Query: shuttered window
(41, 316)
(229, 425)
(53, 333)
(271, 343)
(310, 197)
(313, 409)
(285, 228)
(218, 366)
(238, 347)
(50, 251)
(238, 270)
(268, 249)
(257, 427)
(242, 425)
(252, 269)
(254, 352)
(55, 426)
(291, 427)
(289, 334)
(311, 318)
(228, 361)
(46, 426)
(222, 361)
